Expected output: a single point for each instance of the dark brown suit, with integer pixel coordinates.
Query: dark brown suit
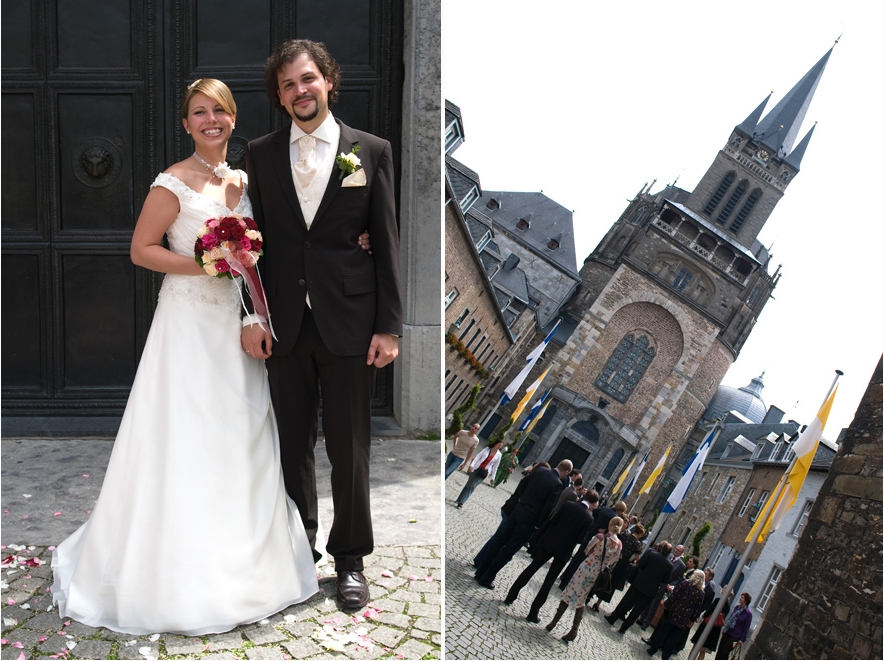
(353, 296)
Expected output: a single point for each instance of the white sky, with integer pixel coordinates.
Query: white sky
(614, 95)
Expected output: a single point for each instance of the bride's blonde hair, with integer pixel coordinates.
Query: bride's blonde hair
(212, 88)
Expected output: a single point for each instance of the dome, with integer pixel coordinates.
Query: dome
(746, 401)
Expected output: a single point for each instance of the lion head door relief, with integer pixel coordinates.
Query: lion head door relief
(97, 162)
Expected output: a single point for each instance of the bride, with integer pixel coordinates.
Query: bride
(193, 532)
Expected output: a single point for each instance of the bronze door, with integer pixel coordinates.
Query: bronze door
(90, 97)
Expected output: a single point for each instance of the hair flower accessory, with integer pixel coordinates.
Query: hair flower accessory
(349, 163)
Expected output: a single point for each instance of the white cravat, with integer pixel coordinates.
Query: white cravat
(306, 167)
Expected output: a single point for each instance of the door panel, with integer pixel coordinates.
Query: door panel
(89, 117)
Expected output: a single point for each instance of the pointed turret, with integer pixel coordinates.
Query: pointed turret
(794, 159)
(780, 127)
(749, 124)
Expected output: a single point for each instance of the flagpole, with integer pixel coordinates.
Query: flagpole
(695, 651)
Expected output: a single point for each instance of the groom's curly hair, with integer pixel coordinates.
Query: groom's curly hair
(287, 53)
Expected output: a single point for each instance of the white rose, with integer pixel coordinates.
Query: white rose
(253, 234)
(210, 269)
(352, 159)
(223, 171)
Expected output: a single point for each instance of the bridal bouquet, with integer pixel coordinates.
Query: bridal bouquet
(230, 246)
(225, 245)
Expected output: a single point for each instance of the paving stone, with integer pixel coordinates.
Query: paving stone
(26, 637)
(429, 624)
(299, 629)
(302, 648)
(264, 653)
(18, 614)
(224, 641)
(92, 649)
(14, 653)
(387, 636)
(178, 645)
(132, 651)
(413, 649)
(395, 619)
(45, 622)
(388, 605)
(220, 655)
(265, 635)
(424, 610)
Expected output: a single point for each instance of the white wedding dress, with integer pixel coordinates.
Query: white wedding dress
(193, 532)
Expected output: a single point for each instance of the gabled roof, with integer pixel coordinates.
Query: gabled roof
(462, 179)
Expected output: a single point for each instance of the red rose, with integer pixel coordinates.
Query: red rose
(256, 244)
(222, 266)
(222, 232)
(251, 224)
(237, 231)
(198, 248)
(229, 221)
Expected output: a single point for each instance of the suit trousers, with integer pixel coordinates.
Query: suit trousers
(540, 558)
(579, 557)
(346, 383)
(634, 602)
(501, 550)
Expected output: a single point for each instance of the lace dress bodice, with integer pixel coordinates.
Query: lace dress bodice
(196, 209)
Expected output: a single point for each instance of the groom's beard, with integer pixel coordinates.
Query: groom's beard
(310, 114)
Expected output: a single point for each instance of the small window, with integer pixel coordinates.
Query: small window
(699, 482)
(492, 204)
(469, 199)
(760, 506)
(449, 299)
(746, 503)
(682, 279)
(484, 241)
(772, 580)
(714, 482)
(722, 189)
(731, 203)
(802, 520)
(745, 211)
(523, 224)
(726, 490)
(553, 244)
(625, 367)
(461, 317)
(638, 216)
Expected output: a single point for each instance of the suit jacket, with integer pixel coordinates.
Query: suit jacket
(511, 502)
(542, 488)
(568, 494)
(353, 295)
(653, 571)
(566, 528)
(678, 570)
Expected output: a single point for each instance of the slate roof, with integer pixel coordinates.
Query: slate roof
(547, 220)
(462, 179)
(746, 401)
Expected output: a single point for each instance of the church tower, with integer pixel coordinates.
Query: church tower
(667, 300)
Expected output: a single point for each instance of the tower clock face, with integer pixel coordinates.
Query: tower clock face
(762, 155)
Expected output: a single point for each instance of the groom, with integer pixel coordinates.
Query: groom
(336, 310)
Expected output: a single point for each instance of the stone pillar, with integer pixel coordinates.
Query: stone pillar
(828, 601)
(416, 398)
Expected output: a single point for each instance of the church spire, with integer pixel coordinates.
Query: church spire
(780, 127)
(749, 124)
(794, 159)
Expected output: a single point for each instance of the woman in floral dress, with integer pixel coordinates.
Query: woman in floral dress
(602, 551)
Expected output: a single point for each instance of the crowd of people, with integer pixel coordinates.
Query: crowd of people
(597, 550)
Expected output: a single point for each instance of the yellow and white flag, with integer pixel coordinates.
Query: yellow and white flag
(805, 449)
(528, 395)
(656, 472)
(622, 478)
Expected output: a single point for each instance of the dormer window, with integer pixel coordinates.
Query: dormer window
(523, 224)
(552, 244)
(492, 204)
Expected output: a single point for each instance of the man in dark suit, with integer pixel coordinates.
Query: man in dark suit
(603, 516)
(653, 571)
(564, 530)
(537, 500)
(336, 310)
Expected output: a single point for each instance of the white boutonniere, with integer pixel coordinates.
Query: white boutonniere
(349, 163)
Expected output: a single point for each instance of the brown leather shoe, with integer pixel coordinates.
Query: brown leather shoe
(352, 592)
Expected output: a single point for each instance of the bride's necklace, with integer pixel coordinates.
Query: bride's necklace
(221, 171)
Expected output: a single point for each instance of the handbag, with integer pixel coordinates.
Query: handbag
(481, 472)
(602, 585)
(719, 621)
(632, 571)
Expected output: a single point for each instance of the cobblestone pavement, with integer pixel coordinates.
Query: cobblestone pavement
(478, 625)
(403, 621)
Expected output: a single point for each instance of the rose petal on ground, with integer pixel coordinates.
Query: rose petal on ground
(412, 578)
(387, 574)
(21, 655)
(428, 579)
(154, 638)
(144, 651)
(130, 643)
(264, 622)
(26, 495)
(51, 548)
(9, 621)
(71, 644)
(3, 641)
(17, 645)
(43, 639)
(25, 606)
(57, 514)
(289, 618)
(86, 476)
(10, 602)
